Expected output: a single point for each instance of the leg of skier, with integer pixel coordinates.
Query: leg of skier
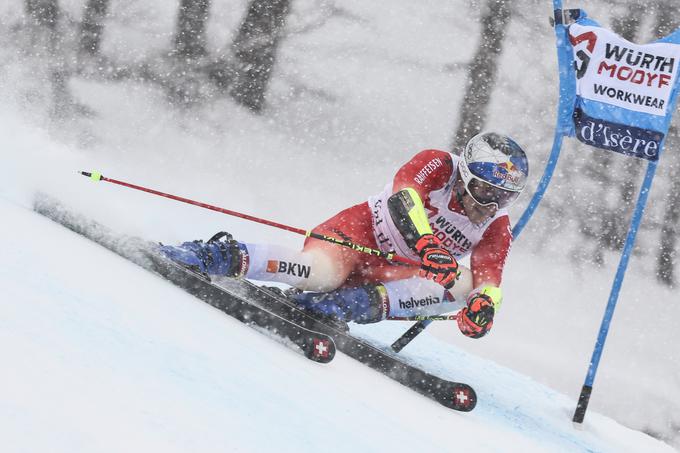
(378, 301)
(323, 266)
(314, 268)
(320, 266)
(311, 269)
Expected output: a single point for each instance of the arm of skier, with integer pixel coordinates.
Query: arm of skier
(427, 171)
(487, 262)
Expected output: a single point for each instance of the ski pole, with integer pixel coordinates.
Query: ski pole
(410, 334)
(423, 318)
(96, 176)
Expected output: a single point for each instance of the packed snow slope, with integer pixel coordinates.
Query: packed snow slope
(358, 88)
(101, 355)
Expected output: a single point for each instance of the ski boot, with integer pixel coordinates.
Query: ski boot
(363, 305)
(220, 255)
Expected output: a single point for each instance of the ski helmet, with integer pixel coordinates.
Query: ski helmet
(494, 169)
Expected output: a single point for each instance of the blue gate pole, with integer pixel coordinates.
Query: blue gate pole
(563, 112)
(587, 388)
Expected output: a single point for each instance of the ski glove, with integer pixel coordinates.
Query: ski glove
(437, 263)
(476, 319)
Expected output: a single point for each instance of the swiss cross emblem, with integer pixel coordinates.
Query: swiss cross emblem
(462, 397)
(321, 347)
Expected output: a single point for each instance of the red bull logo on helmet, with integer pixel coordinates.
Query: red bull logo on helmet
(509, 174)
(505, 175)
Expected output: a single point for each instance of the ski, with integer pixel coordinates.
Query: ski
(316, 346)
(454, 395)
(250, 303)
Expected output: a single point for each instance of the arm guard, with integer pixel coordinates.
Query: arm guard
(408, 214)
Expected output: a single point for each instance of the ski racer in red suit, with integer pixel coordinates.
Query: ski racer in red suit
(438, 208)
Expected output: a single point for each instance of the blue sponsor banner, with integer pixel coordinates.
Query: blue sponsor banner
(615, 94)
(627, 140)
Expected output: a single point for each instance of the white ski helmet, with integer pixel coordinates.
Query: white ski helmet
(494, 169)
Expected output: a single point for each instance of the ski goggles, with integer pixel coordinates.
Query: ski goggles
(484, 194)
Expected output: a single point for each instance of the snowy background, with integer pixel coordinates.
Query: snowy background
(351, 100)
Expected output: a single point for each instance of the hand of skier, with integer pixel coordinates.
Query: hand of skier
(437, 263)
(476, 319)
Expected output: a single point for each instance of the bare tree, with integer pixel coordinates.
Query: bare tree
(190, 36)
(667, 19)
(482, 71)
(667, 255)
(46, 15)
(43, 12)
(92, 26)
(254, 50)
(627, 23)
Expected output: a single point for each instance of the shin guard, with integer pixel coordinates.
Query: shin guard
(363, 305)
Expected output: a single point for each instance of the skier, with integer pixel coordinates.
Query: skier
(439, 208)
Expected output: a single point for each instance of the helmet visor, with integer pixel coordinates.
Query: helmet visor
(485, 194)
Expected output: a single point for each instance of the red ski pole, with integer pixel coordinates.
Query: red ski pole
(96, 176)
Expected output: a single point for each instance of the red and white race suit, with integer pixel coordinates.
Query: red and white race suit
(322, 266)
(432, 174)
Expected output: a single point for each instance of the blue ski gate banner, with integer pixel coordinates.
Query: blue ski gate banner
(622, 94)
(614, 94)
(617, 96)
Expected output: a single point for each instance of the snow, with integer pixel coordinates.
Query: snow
(98, 364)
(103, 356)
